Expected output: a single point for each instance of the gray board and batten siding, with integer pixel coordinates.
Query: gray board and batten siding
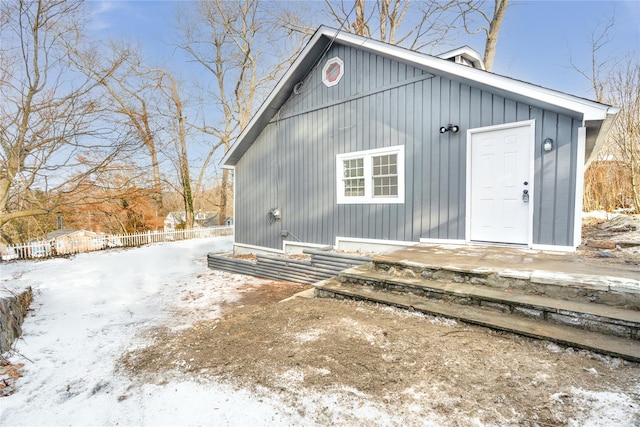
(381, 102)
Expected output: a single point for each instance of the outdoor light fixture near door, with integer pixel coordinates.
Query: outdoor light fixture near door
(449, 128)
(547, 145)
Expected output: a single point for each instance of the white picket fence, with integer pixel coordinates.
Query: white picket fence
(63, 246)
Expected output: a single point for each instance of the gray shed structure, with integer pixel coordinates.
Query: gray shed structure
(365, 143)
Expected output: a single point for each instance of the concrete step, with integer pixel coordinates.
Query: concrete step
(566, 335)
(590, 316)
(620, 288)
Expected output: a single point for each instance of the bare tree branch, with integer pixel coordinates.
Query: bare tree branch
(599, 67)
(131, 88)
(237, 42)
(490, 23)
(49, 114)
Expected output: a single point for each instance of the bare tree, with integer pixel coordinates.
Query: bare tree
(175, 115)
(48, 113)
(624, 90)
(490, 24)
(132, 91)
(599, 67)
(615, 82)
(429, 25)
(342, 13)
(239, 43)
(360, 25)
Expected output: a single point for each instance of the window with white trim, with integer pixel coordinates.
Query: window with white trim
(372, 176)
(332, 71)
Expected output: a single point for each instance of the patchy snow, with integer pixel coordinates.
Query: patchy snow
(90, 309)
(604, 215)
(605, 408)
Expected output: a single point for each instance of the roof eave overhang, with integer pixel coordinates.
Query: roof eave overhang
(597, 133)
(278, 96)
(589, 111)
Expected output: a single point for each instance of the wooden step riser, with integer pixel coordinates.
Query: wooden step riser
(536, 283)
(583, 321)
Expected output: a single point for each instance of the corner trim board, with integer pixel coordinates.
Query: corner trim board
(579, 194)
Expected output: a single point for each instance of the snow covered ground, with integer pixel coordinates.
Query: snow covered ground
(90, 309)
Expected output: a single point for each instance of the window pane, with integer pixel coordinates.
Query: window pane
(353, 168)
(354, 187)
(353, 177)
(333, 71)
(385, 186)
(385, 176)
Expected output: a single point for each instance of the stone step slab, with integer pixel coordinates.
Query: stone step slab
(623, 291)
(594, 317)
(566, 335)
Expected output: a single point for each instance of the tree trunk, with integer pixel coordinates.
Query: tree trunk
(360, 25)
(156, 196)
(184, 172)
(222, 215)
(183, 161)
(492, 34)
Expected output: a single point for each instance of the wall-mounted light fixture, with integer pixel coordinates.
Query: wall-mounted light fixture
(273, 215)
(547, 145)
(449, 127)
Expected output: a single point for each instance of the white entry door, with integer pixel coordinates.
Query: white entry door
(500, 183)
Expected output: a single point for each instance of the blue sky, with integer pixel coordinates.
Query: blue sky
(536, 39)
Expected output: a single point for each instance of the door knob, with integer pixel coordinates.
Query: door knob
(525, 196)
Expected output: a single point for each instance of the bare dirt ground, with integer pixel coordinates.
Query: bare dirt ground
(622, 232)
(412, 365)
(340, 363)
(420, 369)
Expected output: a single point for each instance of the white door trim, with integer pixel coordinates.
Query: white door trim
(531, 124)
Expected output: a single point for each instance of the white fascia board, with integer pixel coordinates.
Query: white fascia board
(591, 110)
(322, 31)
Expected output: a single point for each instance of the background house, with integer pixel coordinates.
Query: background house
(175, 220)
(365, 143)
(74, 241)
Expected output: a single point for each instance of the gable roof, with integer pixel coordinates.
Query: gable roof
(596, 117)
(56, 234)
